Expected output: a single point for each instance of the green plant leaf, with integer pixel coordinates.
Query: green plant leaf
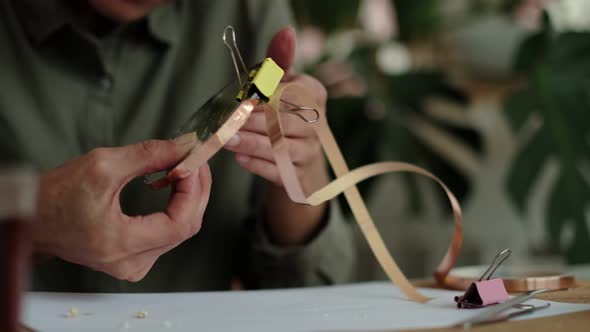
(408, 93)
(529, 51)
(568, 195)
(525, 170)
(354, 130)
(365, 138)
(558, 92)
(418, 19)
(520, 107)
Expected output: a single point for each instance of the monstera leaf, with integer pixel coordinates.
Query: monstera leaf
(366, 138)
(558, 93)
(381, 124)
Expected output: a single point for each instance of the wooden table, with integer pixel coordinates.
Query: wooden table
(578, 321)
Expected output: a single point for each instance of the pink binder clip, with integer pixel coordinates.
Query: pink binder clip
(485, 291)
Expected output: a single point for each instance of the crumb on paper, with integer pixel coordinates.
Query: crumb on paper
(73, 312)
(142, 314)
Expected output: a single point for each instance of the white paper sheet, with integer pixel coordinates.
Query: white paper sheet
(367, 306)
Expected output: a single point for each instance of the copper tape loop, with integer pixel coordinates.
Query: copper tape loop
(530, 283)
(203, 151)
(346, 181)
(519, 284)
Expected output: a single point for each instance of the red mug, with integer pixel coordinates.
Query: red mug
(18, 198)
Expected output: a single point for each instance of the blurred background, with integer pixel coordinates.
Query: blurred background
(493, 96)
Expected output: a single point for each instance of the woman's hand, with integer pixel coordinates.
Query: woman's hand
(289, 223)
(80, 218)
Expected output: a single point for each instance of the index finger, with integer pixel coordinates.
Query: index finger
(282, 48)
(181, 219)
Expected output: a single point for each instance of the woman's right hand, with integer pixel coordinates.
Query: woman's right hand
(80, 218)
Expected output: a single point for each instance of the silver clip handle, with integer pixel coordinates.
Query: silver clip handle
(491, 313)
(229, 39)
(498, 260)
(296, 108)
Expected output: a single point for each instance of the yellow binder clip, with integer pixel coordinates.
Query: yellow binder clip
(262, 81)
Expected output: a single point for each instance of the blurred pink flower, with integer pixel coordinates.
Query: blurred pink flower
(529, 13)
(310, 45)
(378, 19)
(340, 79)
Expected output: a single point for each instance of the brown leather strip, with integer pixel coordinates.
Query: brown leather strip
(346, 181)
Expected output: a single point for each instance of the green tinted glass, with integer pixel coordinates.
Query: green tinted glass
(213, 114)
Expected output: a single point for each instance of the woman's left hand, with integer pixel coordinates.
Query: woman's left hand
(289, 223)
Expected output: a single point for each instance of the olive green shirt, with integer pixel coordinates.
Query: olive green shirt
(63, 92)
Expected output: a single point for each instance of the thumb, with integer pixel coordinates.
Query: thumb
(282, 48)
(153, 155)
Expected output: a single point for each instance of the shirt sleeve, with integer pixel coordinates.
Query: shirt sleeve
(328, 258)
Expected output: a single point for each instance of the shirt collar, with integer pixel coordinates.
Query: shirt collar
(41, 19)
(164, 22)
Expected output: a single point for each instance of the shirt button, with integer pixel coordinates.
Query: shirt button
(106, 83)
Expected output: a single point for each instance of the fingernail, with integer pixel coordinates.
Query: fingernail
(186, 139)
(242, 158)
(233, 141)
